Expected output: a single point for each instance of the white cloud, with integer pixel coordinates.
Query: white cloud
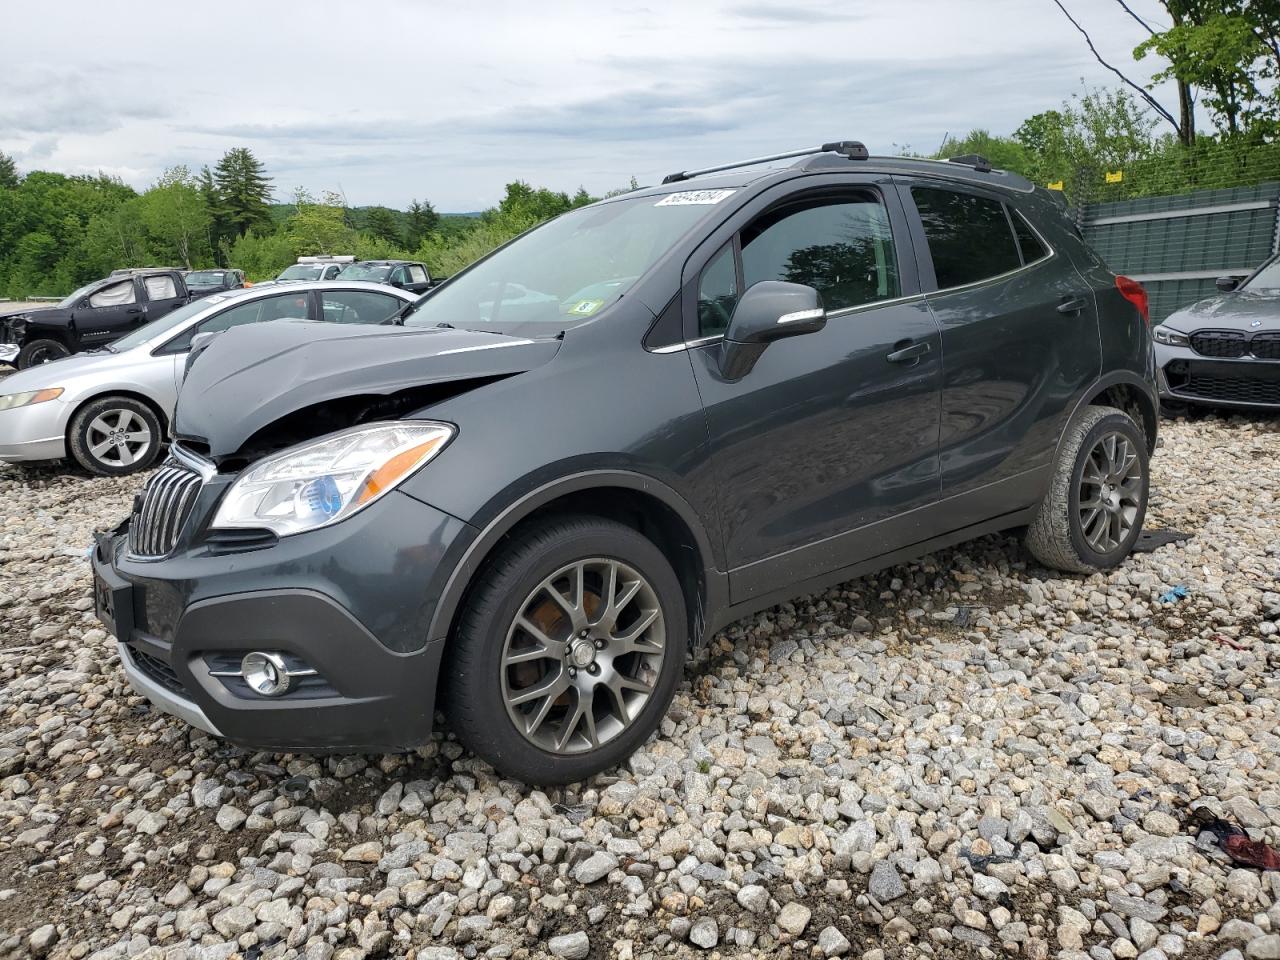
(406, 99)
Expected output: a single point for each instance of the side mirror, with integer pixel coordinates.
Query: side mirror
(770, 310)
(1227, 284)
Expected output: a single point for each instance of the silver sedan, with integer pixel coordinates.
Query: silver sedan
(109, 410)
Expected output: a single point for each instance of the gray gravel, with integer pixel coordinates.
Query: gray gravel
(965, 756)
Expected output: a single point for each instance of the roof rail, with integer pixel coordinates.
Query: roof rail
(975, 160)
(852, 149)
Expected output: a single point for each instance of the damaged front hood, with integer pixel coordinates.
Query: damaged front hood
(251, 376)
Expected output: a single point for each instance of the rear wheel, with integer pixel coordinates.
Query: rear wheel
(41, 351)
(113, 436)
(1097, 500)
(568, 652)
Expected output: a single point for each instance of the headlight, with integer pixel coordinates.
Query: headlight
(1170, 337)
(327, 480)
(26, 399)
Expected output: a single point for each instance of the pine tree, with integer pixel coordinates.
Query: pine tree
(422, 221)
(244, 191)
(381, 222)
(8, 171)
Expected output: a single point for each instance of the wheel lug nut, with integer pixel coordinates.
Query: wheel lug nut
(600, 644)
(583, 634)
(572, 672)
(593, 669)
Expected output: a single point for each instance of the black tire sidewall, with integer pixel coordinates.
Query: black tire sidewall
(1115, 423)
(77, 438)
(500, 601)
(24, 355)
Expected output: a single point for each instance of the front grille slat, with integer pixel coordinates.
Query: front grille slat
(1266, 346)
(1234, 345)
(163, 510)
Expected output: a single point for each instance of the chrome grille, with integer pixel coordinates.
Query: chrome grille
(163, 508)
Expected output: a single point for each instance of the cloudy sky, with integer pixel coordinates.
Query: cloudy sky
(404, 98)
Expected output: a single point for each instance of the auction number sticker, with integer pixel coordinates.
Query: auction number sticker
(691, 197)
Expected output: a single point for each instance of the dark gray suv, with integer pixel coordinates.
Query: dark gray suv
(585, 454)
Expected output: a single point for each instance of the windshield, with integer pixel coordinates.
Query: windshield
(72, 299)
(1268, 278)
(159, 329)
(566, 271)
(205, 278)
(365, 271)
(301, 271)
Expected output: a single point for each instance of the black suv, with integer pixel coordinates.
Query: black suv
(411, 275)
(201, 283)
(589, 451)
(92, 317)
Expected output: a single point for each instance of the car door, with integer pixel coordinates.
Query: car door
(162, 295)
(108, 313)
(831, 432)
(1019, 342)
(357, 306)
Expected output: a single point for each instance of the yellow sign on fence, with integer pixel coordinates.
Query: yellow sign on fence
(1116, 177)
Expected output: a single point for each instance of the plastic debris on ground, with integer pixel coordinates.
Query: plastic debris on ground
(1177, 593)
(1234, 841)
(1151, 540)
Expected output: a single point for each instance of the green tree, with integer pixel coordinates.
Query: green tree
(177, 216)
(244, 191)
(1004, 153)
(320, 226)
(381, 223)
(422, 220)
(8, 172)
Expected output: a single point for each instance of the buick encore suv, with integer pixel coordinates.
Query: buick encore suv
(525, 501)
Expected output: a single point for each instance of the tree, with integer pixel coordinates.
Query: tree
(381, 222)
(319, 226)
(176, 215)
(1005, 153)
(244, 191)
(8, 172)
(422, 221)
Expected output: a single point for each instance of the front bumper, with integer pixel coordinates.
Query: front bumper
(182, 621)
(1184, 376)
(34, 432)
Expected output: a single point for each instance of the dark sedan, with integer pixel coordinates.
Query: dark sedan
(201, 283)
(1225, 350)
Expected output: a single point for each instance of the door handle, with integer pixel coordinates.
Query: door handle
(909, 353)
(1072, 305)
(134, 310)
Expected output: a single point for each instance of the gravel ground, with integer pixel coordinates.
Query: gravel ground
(965, 756)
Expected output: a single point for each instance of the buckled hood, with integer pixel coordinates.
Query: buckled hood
(250, 377)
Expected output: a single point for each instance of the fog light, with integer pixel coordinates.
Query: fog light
(265, 673)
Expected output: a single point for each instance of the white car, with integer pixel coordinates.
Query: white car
(109, 410)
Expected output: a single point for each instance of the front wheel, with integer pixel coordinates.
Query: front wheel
(41, 351)
(1092, 515)
(568, 651)
(115, 435)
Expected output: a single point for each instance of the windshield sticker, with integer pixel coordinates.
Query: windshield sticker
(688, 197)
(586, 307)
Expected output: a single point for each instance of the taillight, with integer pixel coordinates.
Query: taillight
(1136, 294)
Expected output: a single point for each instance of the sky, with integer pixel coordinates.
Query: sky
(396, 100)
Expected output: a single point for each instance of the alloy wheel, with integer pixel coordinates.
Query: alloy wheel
(1110, 492)
(118, 437)
(583, 656)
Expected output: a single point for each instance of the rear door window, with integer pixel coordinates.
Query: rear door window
(1031, 246)
(969, 236)
(161, 287)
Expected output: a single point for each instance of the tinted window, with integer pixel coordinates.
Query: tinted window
(115, 295)
(843, 249)
(1030, 245)
(358, 306)
(717, 293)
(969, 236)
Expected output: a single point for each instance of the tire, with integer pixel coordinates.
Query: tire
(114, 436)
(522, 740)
(41, 351)
(1079, 538)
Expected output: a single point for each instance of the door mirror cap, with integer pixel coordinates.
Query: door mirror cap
(770, 310)
(1227, 284)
